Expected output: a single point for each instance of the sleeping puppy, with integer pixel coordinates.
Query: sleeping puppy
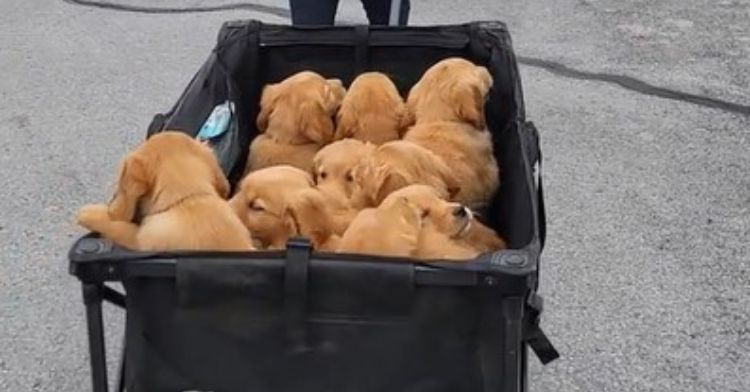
(261, 203)
(391, 229)
(295, 121)
(417, 222)
(372, 111)
(395, 165)
(448, 230)
(175, 184)
(332, 168)
(280, 202)
(448, 105)
(309, 214)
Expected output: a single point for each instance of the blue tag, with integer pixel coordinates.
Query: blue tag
(217, 123)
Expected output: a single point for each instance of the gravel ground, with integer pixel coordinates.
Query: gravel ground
(646, 273)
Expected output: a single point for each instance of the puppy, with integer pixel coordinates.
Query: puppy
(310, 216)
(296, 120)
(372, 111)
(332, 167)
(448, 230)
(261, 203)
(448, 106)
(391, 229)
(280, 202)
(178, 188)
(395, 165)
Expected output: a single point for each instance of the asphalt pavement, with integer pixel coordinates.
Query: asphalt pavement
(646, 273)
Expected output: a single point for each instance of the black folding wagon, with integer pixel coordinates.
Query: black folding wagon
(302, 321)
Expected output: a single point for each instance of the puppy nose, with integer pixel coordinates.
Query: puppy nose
(460, 212)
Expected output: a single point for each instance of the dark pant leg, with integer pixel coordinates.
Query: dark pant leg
(313, 12)
(379, 11)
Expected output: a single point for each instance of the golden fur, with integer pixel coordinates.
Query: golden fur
(310, 214)
(295, 120)
(448, 105)
(388, 230)
(176, 186)
(332, 167)
(448, 230)
(395, 165)
(280, 202)
(372, 111)
(416, 221)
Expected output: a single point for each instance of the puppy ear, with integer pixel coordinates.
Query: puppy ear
(409, 212)
(387, 180)
(470, 98)
(267, 102)
(405, 119)
(413, 99)
(346, 125)
(334, 93)
(133, 181)
(218, 180)
(470, 105)
(485, 79)
(306, 215)
(291, 222)
(316, 122)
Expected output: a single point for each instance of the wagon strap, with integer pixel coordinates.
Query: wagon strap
(296, 273)
(533, 334)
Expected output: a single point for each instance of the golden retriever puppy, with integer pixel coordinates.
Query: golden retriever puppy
(295, 121)
(261, 201)
(391, 229)
(176, 186)
(332, 168)
(372, 111)
(309, 214)
(334, 163)
(448, 106)
(395, 165)
(280, 202)
(417, 222)
(448, 230)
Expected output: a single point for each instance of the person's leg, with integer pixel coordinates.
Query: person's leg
(313, 12)
(379, 11)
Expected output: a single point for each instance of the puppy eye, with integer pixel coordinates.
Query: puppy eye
(425, 213)
(323, 175)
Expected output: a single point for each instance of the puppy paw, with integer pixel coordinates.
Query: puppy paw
(89, 215)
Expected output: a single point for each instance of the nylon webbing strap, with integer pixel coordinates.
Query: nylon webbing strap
(361, 48)
(533, 334)
(295, 290)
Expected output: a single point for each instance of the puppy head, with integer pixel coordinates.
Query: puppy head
(373, 180)
(400, 212)
(372, 110)
(307, 214)
(262, 201)
(451, 90)
(395, 165)
(451, 219)
(155, 171)
(334, 164)
(300, 109)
